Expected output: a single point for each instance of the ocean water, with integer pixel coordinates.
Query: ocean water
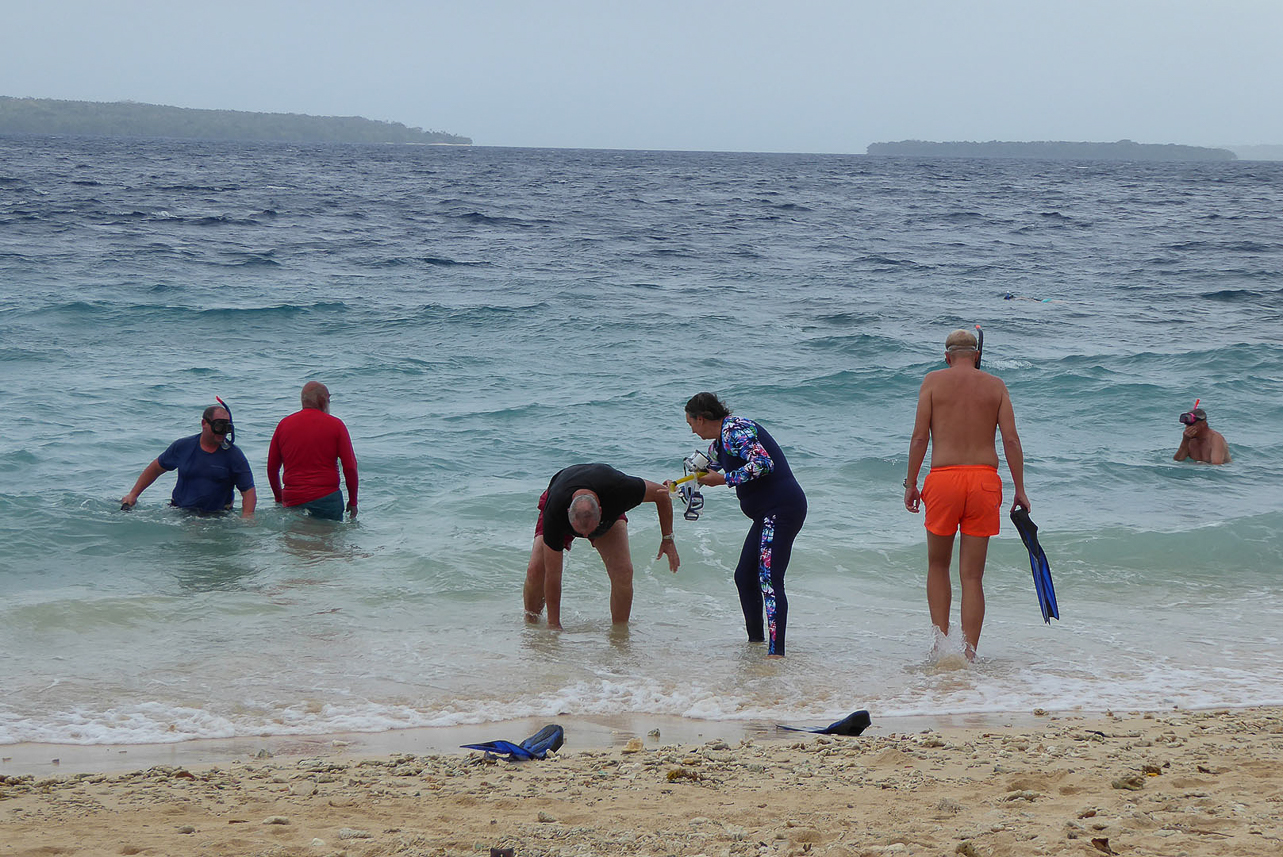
(484, 317)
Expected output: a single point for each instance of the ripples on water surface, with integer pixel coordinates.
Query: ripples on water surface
(486, 316)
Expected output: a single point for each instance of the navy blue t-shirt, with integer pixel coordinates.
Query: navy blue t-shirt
(205, 479)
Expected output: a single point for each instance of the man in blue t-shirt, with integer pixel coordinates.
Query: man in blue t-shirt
(207, 471)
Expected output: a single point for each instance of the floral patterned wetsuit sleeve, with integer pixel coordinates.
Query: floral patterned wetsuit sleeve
(739, 438)
(713, 463)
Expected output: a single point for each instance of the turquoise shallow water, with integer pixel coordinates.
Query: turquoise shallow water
(486, 316)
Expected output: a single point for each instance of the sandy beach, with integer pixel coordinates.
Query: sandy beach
(1175, 783)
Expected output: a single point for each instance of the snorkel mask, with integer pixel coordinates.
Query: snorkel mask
(1189, 418)
(980, 346)
(697, 462)
(695, 466)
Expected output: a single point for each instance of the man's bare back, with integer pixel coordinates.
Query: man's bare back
(959, 411)
(964, 406)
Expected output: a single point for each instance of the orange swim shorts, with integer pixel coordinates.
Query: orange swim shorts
(966, 497)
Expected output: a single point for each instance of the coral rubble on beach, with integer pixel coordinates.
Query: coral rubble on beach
(1196, 783)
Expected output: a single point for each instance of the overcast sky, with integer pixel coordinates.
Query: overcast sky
(747, 75)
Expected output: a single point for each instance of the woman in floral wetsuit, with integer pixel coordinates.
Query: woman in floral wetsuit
(750, 459)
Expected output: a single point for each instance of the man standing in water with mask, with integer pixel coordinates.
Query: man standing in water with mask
(208, 470)
(959, 410)
(1200, 442)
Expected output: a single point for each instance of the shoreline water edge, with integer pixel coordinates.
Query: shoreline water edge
(486, 317)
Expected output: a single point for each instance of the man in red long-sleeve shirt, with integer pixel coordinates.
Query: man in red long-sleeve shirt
(309, 443)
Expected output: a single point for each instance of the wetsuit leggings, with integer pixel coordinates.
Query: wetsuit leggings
(760, 576)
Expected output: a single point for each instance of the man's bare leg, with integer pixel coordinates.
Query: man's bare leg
(533, 590)
(613, 547)
(939, 587)
(971, 568)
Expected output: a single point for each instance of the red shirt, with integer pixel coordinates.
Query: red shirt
(309, 443)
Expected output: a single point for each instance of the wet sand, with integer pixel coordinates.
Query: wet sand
(1194, 783)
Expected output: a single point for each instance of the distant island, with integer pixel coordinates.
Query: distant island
(1259, 152)
(129, 119)
(1123, 150)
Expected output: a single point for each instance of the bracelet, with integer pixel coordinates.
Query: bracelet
(667, 538)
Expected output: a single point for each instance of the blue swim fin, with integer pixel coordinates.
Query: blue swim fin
(1037, 563)
(853, 724)
(501, 748)
(537, 746)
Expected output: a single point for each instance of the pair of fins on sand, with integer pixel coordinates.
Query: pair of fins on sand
(551, 738)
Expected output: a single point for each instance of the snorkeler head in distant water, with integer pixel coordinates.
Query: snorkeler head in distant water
(1199, 441)
(1012, 296)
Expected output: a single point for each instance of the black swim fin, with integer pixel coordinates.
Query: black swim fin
(546, 740)
(853, 724)
(537, 746)
(1037, 563)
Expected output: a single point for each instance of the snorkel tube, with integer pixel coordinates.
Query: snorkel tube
(980, 347)
(672, 486)
(229, 439)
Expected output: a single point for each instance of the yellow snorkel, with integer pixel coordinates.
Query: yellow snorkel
(672, 486)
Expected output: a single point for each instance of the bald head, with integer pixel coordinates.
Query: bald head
(584, 513)
(960, 340)
(315, 395)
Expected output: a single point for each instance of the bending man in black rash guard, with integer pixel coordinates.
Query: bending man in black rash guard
(589, 501)
(750, 459)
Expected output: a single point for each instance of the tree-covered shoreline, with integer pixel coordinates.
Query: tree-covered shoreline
(46, 116)
(1123, 150)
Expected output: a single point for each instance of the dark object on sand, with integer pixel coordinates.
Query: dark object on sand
(537, 746)
(853, 724)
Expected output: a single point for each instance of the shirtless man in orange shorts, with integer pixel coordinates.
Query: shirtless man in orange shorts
(959, 409)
